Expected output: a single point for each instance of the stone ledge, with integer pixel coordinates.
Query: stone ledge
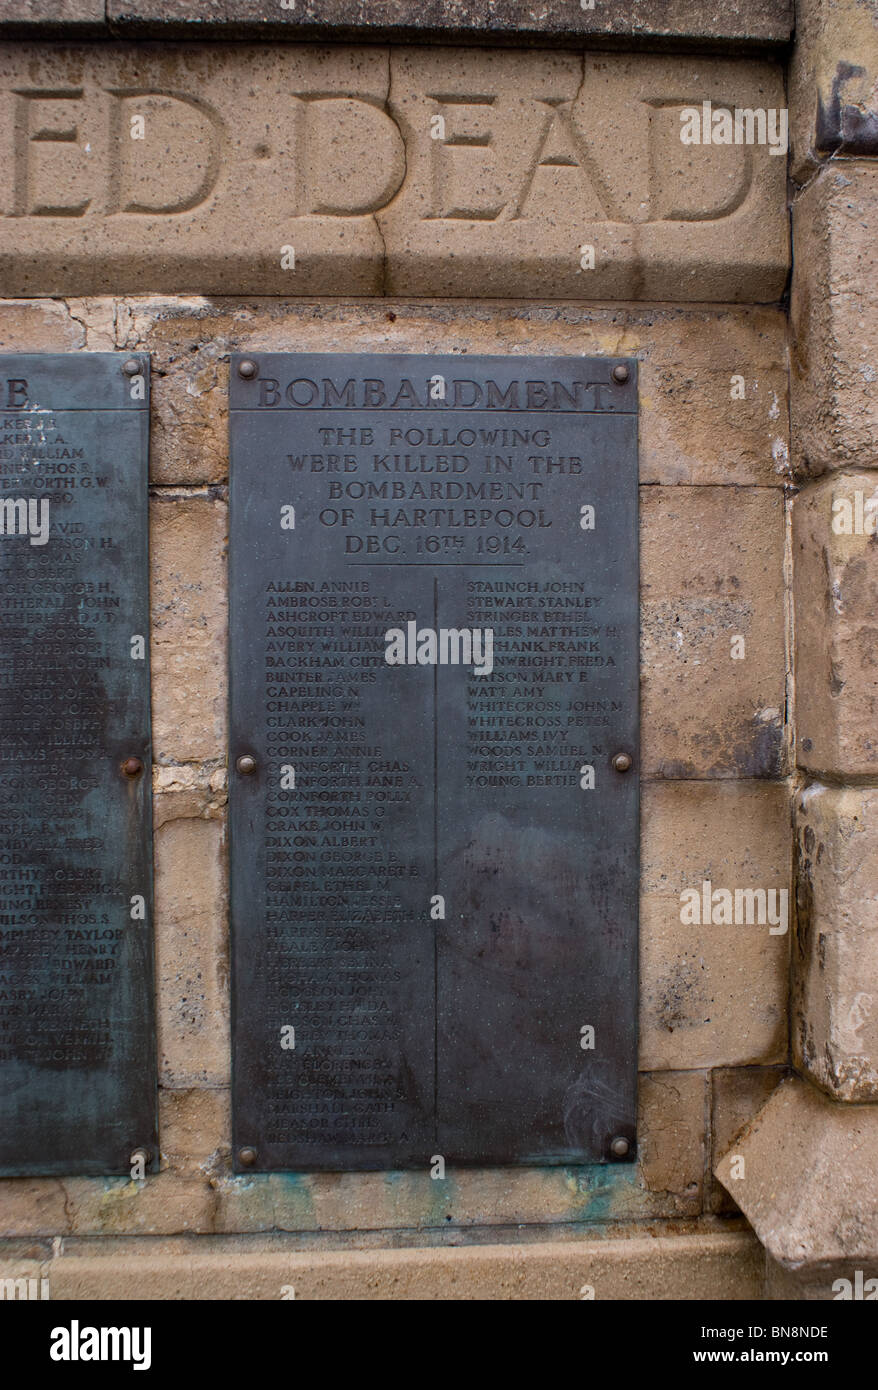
(809, 1181)
(76, 17)
(744, 22)
(716, 1266)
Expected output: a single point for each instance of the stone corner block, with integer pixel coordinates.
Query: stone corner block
(834, 316)
(835, 955)
(834, 82)
(835, 586)
(805, 1175)
(737, 1095)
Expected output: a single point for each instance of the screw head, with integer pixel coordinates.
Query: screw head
(246, 765)
(132, 767)
(247, 1157)
(247, 369)
(132, 367)
(621, 373)
(622, 762)
(620, 1147)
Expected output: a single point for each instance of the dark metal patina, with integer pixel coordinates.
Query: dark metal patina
(432, 905)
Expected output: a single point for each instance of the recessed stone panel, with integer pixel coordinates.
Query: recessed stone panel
(302, 170)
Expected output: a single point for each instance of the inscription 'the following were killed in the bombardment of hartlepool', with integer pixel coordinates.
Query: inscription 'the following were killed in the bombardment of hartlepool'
(434, 740)
(77, 1034)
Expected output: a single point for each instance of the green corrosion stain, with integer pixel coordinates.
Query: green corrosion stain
(601, 1192)
(417, 1200)
(292, 1196)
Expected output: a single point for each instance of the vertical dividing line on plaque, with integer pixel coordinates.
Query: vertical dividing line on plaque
(435, 869)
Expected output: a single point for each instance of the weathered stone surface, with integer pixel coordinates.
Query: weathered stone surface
(712, 573)
(22, 1278)
(836, 599)
(809, 1181)
(821, 1286)
(165, 1204)
(76, 16)
(737, 1096)
(191, 954)
(692, 428)
(195, 1128)
(38, 325)
(834, 311)
(835, 960)
(678, 1267)
(834, 81)
(713, 995)
(33, 1207)
(186, 790)
(671, 1139)
(475, 21)
(187, 556)
(300, 170)
(497, 208)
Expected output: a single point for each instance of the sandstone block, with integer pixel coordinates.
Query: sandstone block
(835, 577)
(834, 82)
(712, 995)
(834, 313)
(195, 1127)
(835, 960)
(189, 616)
(299, 170)
(695, 426)
(34, 325)
(32, 1207)
(185, 790)
(541, 155)
(191, 955)
(671, 1139)
(737, 1096)
(808, 1180)
(712, 632)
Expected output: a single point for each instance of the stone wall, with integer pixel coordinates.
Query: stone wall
(474, 242)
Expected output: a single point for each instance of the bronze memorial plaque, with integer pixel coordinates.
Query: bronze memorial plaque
(77, 1030)
(434, 760)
